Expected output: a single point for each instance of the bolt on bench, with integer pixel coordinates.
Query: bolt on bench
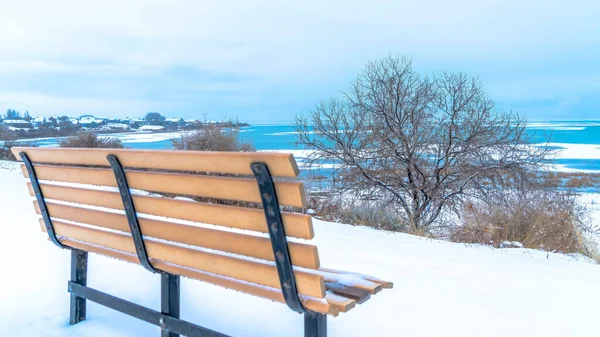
(90, 201)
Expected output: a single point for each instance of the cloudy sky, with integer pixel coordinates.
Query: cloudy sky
(267, 61)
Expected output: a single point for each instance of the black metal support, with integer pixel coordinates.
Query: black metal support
(79, 261)
(148, 315)
(169, 300)
(277, 235)
(134, 226)
(315, 325)
(40, 199)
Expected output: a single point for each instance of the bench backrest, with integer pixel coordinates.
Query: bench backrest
(219, 242)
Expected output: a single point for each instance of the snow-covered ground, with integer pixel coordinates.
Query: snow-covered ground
(150, 128)
(440, 288)
(575, 151)
(145, 137)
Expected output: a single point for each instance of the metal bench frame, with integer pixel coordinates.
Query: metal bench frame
(315, 324)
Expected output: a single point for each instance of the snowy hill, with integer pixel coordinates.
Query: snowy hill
(440, 288)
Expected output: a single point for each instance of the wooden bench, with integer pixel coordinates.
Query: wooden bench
(119, 203)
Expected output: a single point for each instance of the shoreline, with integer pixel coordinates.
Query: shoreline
(116, 132)
(568, 156)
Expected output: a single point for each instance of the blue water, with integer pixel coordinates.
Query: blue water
(579, 164)
(282, 137)
(571, 132)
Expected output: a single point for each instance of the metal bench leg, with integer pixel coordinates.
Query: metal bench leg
(79, 261)
(169, 300)
(315, 325)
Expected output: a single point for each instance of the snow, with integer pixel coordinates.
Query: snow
(440, 288)
(575, 151)
(91, 119)
(151, 127)
(567, 125)
(146, 137)
(566, 169)
(509, 244)
(174, 120)
(11, 128)
(116, 126)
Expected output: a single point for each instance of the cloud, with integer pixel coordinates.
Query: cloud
(53, 104)
(265, 57)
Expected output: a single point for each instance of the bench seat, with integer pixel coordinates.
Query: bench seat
(206, 216)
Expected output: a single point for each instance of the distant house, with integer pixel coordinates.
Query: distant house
(149, 128)
(37, 121)
(116, 126)
(17, 124)
(174, 122)
(137, 122)
(88, 121)
(193, 123)
(53, 120)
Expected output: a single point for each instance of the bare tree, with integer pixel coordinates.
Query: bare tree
(422, 144)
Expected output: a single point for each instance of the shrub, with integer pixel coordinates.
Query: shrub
(8, 140)
(5, 153)
(474, 229)
(7, 145)
(539, 215)
(358, 212)
(582, 181)
(90, 139)
(212, 138)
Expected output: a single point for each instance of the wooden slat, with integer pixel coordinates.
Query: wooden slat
(342, 304)
(295, 224)
(280, 164)
(309, 284)
(384, 284)
(359, 295)
(334, 305)
(242, 189)
(302, 255)
(366, 285)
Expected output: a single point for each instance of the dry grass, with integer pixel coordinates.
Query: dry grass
(539, 217)
(328, 207)
(539, 214)
(573, 179)
(91, 140)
